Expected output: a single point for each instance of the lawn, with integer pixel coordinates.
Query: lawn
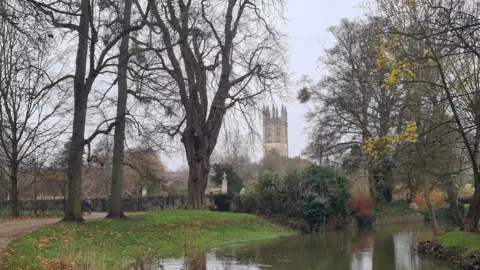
(6, 214)
(464, 241)
(394, 210)
(107, 244)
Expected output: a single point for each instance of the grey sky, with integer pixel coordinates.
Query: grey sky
(306, 26)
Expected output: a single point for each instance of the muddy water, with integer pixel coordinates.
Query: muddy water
(384, 247)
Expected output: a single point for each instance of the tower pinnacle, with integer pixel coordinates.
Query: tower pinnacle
(275, 131)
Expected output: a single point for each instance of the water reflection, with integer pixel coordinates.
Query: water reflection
(405, 259)
(384, 247)
(362, 251)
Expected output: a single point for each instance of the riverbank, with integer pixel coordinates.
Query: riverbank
(390, 214)
(107, 244)
(460, 249)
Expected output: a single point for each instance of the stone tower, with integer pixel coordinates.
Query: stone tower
(275, 131)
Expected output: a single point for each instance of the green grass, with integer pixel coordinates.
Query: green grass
(7, 213)
(107, 244)
(394, 210)
(465, 242)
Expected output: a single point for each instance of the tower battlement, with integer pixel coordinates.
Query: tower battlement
(275, 131)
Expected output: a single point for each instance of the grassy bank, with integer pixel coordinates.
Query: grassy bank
(465, 242)
(461, 249)
(106, 244)
(394, 210)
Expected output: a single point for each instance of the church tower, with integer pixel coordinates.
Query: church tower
(275, 131)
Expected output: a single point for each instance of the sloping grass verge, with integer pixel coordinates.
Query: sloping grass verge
(467, 242)
(106, 244)
(460, 249)
(394, 210)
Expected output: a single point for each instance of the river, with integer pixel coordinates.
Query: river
(386, 247)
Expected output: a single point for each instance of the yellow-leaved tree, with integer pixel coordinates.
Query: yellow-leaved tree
(381, 146)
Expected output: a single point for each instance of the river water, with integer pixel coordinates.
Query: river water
(388, 247)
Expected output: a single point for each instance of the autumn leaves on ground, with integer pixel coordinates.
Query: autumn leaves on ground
(107, 244)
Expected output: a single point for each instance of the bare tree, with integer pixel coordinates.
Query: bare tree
(30, 103)
(218, 54)
(144, 171)
(102, 163)
(99, 30)
(115, 210)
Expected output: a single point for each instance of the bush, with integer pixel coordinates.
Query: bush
(463, 208)
(316, 194)
(246, 203)
(330, 185)
(445, 212)
(222, 202)
(440, 214)
(268, 189)
(436, 197)
(292, 189)
(264, 198)
(361, 208)
(315, 210)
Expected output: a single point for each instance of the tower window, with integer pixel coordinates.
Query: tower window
(269, 136)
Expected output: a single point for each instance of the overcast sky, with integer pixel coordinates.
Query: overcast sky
(307, 25)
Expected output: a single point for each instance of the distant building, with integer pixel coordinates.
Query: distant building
(275, 131)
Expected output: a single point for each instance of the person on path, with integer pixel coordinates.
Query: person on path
(88, 205)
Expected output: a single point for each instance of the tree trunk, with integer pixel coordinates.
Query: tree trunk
(115, 210)
(64, 190)
(426, 192)
(411, 188)
(453, 201)
(199, 167)
(14, 190)
(73, 211)
(470, 223)
(371, 184)
(199, 139)
(35, 202)
(197, 183)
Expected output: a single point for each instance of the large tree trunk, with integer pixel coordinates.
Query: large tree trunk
(426, 192)
(470, 223)
(197, 183)
(14, 190)
(199, 166)
(73, 211)
(115, 210)
(453, 201)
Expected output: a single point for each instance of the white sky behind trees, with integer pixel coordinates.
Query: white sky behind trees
(306, 27)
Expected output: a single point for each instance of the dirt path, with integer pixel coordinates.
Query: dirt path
(10, 230)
